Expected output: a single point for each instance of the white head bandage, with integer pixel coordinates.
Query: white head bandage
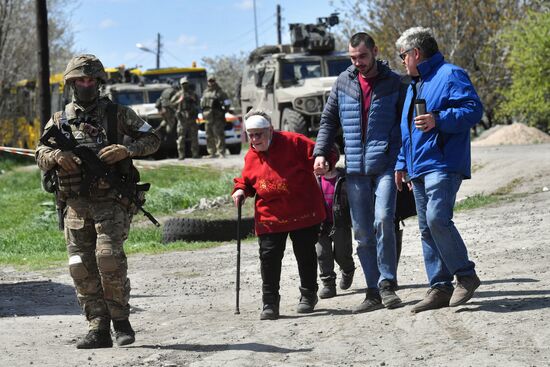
(256, 122)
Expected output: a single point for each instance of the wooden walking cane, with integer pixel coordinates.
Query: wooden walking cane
(238, 282)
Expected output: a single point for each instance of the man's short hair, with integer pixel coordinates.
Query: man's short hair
(420, 38)
(362, 37)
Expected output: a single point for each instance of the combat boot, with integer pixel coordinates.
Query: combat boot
(124, 334)
(95, 339)
(308, 300)
(270, 310)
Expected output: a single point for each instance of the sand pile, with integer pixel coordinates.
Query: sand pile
(511, 135)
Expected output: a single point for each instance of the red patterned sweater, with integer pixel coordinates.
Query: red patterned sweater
(287, 194)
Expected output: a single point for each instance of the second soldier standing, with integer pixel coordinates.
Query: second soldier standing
(214, 104)
(186, 104)
(167, 112)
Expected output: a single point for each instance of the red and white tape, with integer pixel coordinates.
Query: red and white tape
(20, 151)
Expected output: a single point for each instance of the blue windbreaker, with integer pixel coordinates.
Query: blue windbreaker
(450, 95)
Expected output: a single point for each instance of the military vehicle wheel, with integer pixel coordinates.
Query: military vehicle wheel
(293, 121)
(234, 148)
(188, 229)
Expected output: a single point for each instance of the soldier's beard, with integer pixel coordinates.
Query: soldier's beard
(85, 95)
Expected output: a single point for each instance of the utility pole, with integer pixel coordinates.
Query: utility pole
(44, 96)
(255, 24)
(158, 50)
(279, 39)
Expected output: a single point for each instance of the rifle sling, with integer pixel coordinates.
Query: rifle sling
(112, 123)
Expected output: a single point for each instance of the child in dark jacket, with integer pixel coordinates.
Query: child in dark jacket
(335, 239)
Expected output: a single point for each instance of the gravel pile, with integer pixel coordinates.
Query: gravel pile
(511, 135)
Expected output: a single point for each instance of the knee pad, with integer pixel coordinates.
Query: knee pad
(106, 261)
(76, 268)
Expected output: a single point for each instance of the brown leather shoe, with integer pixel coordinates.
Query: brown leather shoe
(437, 297)
(465, 288)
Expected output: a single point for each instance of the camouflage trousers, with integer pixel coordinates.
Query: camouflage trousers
(215, 133)
(95, 231)
(187, 128)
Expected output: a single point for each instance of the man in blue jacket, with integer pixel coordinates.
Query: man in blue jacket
(435, 154)
(366, 102)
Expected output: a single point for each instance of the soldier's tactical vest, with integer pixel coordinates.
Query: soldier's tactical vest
(211, 100)
(89, 132)
(188, 106)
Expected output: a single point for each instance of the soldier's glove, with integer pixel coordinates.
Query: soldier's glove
(114, 153)
(67, 160)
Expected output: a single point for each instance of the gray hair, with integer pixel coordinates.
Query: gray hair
(420, 38)
(258, 112)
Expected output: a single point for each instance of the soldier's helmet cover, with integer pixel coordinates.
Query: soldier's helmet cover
(86, 65)
(184, 80)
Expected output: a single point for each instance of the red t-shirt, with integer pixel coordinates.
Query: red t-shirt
(366, 92)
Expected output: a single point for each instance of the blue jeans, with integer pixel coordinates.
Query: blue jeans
(445, 253)
(372, 205)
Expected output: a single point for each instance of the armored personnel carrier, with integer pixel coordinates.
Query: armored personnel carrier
(292, 82)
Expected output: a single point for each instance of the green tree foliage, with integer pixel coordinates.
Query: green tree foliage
(467, 34)
(528, 97)
(228, 71)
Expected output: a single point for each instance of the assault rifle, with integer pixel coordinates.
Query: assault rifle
(95, 168)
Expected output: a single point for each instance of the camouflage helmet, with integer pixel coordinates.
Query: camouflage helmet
(84, 66)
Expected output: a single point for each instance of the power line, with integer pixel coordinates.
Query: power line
(239, 37)
(174, 56)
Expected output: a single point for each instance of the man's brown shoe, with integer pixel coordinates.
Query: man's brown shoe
(437, 297)
(465, 288)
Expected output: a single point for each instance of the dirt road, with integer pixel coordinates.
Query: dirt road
(183, 302)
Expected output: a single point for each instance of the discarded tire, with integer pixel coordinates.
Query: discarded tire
(186, 229)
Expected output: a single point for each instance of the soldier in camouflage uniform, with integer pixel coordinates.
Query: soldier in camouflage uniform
(214, 104)
(167, 111)
(186, 104)
(96, 225)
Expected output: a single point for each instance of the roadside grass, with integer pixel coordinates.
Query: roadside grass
(29, 237)
(147, 240)
(9, 161)
(503, 193)
(176, 187)
(477, 201)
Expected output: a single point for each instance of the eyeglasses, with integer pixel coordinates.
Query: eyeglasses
(258, 135)
(403, 54)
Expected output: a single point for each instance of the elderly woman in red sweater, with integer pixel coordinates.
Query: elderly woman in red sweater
(278, 173)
